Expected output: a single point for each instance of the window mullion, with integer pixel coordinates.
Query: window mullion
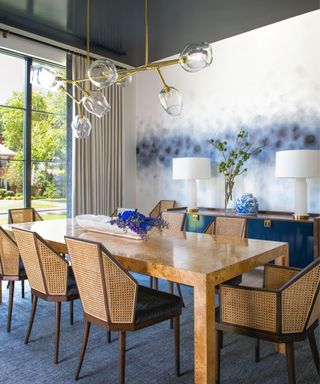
(27, 135)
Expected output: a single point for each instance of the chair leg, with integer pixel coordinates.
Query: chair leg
(109, 337)
(314, 351)
(151, 282)
(219, 347)
(180, 293)
(71, 312)
(83, 347)
(122, 353)
(22, 289)
(57, 336)
(290, 363)
(176, 326)
(11, 293)
(170, 290)
(257, 351)
(33, 312)
(156, 283)
(0, 291)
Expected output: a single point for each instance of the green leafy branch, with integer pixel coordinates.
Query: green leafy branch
(233, 160)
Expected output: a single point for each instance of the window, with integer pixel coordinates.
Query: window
(45, 188)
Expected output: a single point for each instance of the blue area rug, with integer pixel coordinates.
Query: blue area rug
(150, 352)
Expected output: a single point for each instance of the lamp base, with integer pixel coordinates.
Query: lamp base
(300, 217)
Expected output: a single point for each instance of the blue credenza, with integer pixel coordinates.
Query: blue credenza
(302, 236)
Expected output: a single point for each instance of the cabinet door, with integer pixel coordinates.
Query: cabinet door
(197, 223)
(298, 235)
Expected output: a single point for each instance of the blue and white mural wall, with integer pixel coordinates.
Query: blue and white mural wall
(265, 81)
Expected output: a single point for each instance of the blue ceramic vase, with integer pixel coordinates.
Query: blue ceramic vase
(247, 204)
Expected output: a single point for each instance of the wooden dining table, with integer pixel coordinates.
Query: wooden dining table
(199, 260)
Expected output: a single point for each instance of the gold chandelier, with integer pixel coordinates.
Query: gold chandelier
(103, 73)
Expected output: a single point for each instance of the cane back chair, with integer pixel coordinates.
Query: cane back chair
(234, 227)
(230, 226)
(285, 310)
(112, 299)
(49, 275)
(163, 205)
(23, 215)
(11, 267)
(175, 224)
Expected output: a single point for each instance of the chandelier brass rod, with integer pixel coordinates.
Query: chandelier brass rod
(165, 85)
(151, 66)
(61, 88)
(88, 35)
(147, 33)
(81, 89)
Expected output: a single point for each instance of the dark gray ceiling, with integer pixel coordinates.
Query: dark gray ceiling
(117, 26)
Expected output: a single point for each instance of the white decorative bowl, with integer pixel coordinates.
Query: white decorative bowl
(102, 224)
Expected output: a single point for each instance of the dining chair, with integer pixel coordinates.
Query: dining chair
(234, 227)
(230, 226)
(23, 215)
(285, 310)
(162, 206)
(50, 278)
(11, 267)
(112, 299)
(175, 224)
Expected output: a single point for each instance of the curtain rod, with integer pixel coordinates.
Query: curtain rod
(6, 32)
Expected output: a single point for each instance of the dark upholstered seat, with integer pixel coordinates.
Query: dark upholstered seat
(72, 287)
(152, 304)
(22, 271)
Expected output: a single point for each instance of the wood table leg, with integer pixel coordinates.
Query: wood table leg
(284, 261)
(204, 333)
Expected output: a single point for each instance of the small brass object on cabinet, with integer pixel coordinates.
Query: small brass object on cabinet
(267, 223)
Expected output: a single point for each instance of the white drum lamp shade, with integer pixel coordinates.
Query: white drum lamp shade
(191, 169)
(299, 164)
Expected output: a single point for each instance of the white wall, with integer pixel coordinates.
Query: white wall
(266, 81)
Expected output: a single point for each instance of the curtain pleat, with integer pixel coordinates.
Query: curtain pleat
(97, 161)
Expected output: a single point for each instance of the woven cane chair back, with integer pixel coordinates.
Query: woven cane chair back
(251, 312)
(47, 271)
(106, 290)
(9, 255)
(23, 215)
(299, 298)
(276, 276)
(162, 206)
(175, 221)
(54, 267)
(230, 226)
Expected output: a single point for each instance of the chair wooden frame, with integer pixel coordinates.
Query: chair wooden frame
(110, 312)
(163, 205)
(284, 288)
(48, 274)
(176, 225)
(22, 215)
(9, 268)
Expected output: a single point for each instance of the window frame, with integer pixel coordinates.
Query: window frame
(27, 129)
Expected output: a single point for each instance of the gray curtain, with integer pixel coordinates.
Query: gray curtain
(97, 160)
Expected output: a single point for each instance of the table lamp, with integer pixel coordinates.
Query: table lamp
(299, 164)
(191, 169)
